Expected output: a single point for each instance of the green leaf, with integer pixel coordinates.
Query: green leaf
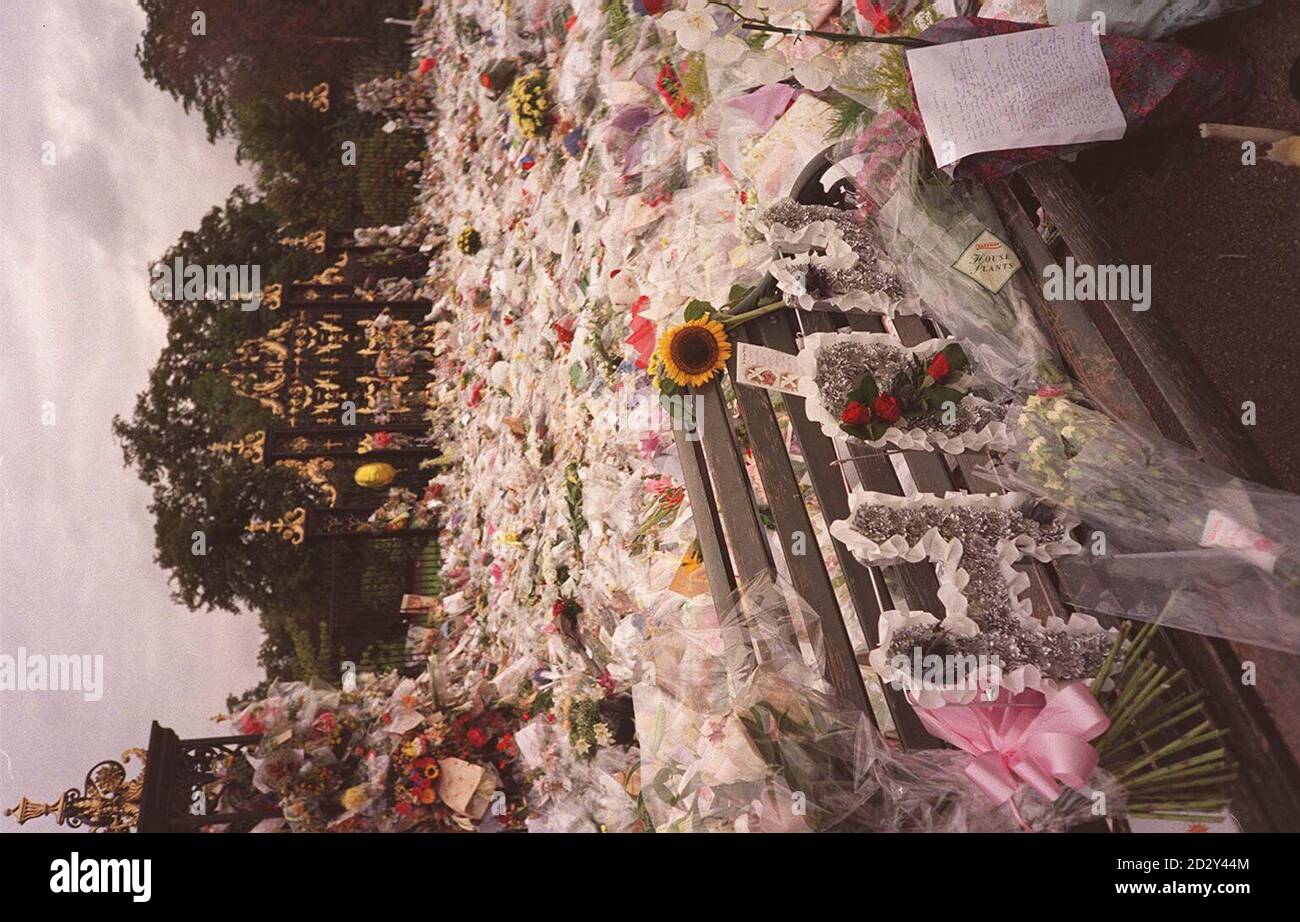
(866, 391)
(935, 397)
(737, 294)
(956, 356)
(697, 309)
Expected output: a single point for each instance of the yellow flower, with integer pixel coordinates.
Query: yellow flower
(355, 798)
(694, 351)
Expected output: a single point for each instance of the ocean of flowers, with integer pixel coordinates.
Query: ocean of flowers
(595, 171)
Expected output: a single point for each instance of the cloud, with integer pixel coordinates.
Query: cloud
(79, 330)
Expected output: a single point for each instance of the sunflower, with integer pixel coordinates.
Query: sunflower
(694, 351)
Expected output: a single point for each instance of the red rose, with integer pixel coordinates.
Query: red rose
(938, 368)
(562, 333)
(887, 408)
(485, 79)
(382, 440)
(879, 17)
(426, 65)
(855, 414)
(477, 738)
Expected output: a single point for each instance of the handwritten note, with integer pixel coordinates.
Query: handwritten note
(759, 366)
(1034, 88)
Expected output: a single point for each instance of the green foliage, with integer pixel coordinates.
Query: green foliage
(189, 404)
(851, 116)
(236, 73)
(249, 50)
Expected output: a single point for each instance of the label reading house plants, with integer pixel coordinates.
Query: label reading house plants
(988, 261)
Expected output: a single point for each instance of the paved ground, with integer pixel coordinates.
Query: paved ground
(1223, 239)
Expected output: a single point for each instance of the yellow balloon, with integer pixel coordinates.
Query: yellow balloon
(375, 474)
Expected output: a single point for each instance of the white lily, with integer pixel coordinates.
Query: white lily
(694, 26)
(815, 73)
(725, 49)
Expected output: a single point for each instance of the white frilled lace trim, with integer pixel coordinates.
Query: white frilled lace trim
(986, 680)
(795, 246)
(953, 578)
(991, 437)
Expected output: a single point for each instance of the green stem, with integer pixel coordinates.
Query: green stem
(1177, 817)
(1181, 771)
(1172, 721)
(1134, 789)
(1104, 671)
(731, 320)
(760, 25)
(1198, 804)
(751, 25)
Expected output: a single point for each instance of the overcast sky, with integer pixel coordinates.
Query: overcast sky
(77, 329)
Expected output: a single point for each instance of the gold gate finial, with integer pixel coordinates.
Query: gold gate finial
(313, 240)
(318, 97)
(31, 810)
(110, 802)
(250, 447)
(291, 526)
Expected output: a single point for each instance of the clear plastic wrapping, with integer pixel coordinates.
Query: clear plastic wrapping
(740, 732)
(1166, 536)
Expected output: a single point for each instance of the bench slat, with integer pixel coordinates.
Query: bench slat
(1081, 344)
(867, 590)
(708, 528)
(735, 498)
(1155, 342)
(807, 569)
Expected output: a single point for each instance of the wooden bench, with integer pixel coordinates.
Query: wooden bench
(734, 543)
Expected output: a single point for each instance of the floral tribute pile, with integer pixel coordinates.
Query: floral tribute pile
(604, 188)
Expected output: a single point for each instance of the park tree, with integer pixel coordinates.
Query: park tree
(189, 405)
(245, 49)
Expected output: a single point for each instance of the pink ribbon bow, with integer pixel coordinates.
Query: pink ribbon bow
(1024, 739)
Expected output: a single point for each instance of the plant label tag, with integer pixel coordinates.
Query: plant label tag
(989, 261)
(1221, 530)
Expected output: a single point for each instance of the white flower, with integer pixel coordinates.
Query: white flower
(725, 49)
(762, 68)
(815, 73)
(694, 26)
